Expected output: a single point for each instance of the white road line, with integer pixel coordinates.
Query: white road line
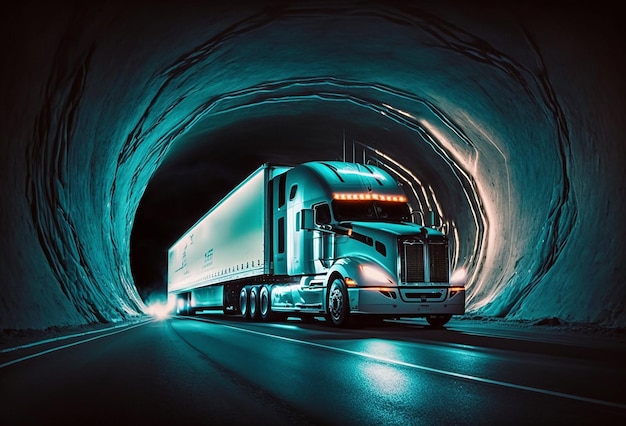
(435, 370)
(65, 337)
(58, 348)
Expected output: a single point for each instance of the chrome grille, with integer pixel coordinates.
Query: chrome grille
(414, 252)
(411, 261)
(439, 271)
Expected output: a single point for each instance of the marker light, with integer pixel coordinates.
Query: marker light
(455, 290)
(369, 196)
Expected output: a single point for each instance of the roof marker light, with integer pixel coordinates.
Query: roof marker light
(369, 196)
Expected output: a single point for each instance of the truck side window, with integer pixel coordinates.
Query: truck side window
(281, 235)
(281, 190)
(292, 192)
(322, 214)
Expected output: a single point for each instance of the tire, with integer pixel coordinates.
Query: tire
(244, 302)
(254, 303)
(265, 303)
(338, 303)
(438, 320)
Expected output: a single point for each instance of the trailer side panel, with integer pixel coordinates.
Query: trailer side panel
(227, 243)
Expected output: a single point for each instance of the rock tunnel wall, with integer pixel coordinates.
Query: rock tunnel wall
(512, 116)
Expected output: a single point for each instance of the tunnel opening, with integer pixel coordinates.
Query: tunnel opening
(517, 110)
(464, 153)
(219, 151)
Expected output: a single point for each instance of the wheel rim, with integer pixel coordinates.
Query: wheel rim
(336, 302)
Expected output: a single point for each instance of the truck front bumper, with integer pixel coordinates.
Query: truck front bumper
(416, 302)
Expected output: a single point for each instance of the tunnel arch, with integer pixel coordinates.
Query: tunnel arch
(446, 82)
(387, 100)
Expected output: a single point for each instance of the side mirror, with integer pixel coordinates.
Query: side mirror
(307, 219)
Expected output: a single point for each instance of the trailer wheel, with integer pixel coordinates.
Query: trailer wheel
(244, 302)
(254, 303)
(338, 303)
(438, 320)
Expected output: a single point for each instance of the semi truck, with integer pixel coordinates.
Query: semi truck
(329, 239)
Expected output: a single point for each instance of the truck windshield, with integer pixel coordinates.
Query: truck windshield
(370, 211)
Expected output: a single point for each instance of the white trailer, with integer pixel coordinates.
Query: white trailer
(330, 239)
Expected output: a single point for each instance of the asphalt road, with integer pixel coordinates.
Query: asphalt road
(218, 370)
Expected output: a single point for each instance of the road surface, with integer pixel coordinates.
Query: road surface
(222, 370)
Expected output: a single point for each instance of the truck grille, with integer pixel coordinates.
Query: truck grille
(412, 266)
(439, 270)
(412, 262)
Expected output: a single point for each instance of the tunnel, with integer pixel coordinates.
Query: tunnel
(124, 121)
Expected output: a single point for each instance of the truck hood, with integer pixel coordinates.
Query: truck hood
(392, 228)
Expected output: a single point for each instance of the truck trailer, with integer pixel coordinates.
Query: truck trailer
(325, 239)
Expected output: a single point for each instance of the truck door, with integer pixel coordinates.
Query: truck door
(323, 242)
(279, 209)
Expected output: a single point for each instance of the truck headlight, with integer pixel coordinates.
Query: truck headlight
(375, 275)
(459, 277)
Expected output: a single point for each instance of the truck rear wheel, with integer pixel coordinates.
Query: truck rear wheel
(338, 303)
(265, 303)
(244, 302)
(254, 303)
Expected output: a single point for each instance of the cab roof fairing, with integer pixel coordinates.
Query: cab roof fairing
(315, 186)
(337, 176)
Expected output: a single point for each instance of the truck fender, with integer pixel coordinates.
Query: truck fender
(363, 271)
(343, 267)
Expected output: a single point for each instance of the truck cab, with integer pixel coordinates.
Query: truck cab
(345, 229)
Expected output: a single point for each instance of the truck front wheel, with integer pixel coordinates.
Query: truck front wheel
(338, 304)
(438, 320)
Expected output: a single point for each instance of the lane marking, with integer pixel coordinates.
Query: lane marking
(69, 336)
(430, 369)
(69, 345)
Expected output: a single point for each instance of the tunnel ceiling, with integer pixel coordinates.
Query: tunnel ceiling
(130, 120)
